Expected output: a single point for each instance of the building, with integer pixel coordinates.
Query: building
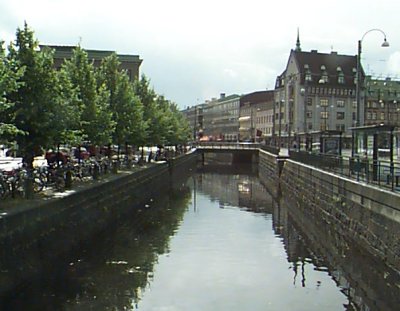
(256, 116)
(316, 92)
(194, 116)
(129, 63)
(220, 118)
(382, 102)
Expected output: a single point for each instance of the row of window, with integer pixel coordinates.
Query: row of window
(324, 102)
(340, 115)
(331, 91)
(383, 116)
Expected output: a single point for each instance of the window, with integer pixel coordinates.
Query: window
(340, 115)
(324, 114)
(323, 102)
(369, 115)
(309, 101)
(340, 103)
(341, 78)
(354, 104)
(354, 115)
(382, 116)
(309, 114)
(340, 127)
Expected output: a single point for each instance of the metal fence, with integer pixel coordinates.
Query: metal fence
(382, 173)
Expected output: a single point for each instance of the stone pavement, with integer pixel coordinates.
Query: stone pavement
(14, 205)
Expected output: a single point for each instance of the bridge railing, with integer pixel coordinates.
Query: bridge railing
(228, 145)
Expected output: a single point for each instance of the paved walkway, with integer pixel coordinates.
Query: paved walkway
(16, 204)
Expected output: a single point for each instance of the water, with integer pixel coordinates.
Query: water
(219, 242)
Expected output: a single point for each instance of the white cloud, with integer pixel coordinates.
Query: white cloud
(186, 46)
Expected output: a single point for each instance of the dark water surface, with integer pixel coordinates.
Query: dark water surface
(219, 242)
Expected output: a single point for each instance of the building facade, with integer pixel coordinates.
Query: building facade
(220, 118)
(194, 116)
(316, 92)
(254, 114)
(129, 63)
(382, 102)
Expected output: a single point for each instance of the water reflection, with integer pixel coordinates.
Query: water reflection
(111, 272)
(367, 282)
(222, 241)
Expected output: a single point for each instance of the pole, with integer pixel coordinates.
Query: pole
(279, 124)
(194, 124)
(358, 84)
(273, 124)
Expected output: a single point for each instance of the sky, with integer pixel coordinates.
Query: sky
(193, 51)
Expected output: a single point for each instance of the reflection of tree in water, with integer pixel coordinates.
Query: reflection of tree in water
(127, 267)
(112, 271)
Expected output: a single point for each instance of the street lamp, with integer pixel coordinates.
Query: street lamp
(358, 84)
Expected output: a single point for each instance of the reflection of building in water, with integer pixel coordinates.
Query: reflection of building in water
(220, 187)
(234, 190)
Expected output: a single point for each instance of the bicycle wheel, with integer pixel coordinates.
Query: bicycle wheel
(3, 189)
(38, 182)
(60, 183)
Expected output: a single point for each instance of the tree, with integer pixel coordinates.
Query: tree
(180, 129)
(70, 131)
(36, 108)
(126, 108)
(151, 116)
(10, 73)
(96, 124)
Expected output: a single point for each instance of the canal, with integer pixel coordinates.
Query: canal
(219, 241)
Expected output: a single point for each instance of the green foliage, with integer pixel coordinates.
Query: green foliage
(126, 108)
(95, 118)
(10, 73)
(35, 109)
(41, 107)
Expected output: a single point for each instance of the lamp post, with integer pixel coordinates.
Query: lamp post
(358, 72)
(280, 123)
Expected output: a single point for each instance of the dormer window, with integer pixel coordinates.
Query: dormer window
(340, 75)
(307, 76)
(324, 77)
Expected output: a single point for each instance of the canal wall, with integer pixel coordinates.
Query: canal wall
(269, 169)
(361, 214)
(36, 234)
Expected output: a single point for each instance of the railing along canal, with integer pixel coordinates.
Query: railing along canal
(382, 173)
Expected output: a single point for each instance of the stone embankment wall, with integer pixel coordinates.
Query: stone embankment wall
(362, 214)
(37, 234)
(269, 168)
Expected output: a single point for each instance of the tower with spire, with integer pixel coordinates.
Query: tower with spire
(298, 48)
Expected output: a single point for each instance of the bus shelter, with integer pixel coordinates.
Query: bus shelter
(325, 142)
(376, 144)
